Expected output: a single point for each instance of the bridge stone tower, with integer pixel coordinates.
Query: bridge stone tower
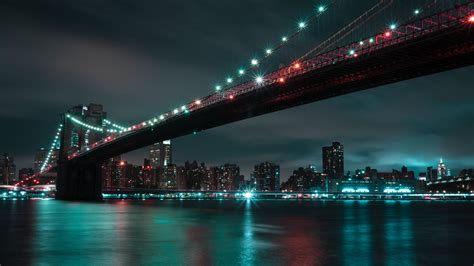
(80, 180)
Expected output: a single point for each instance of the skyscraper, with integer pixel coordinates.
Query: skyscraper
(431, 174)
(333, 160)
(441, 169)
(169, 179)
(227, 177)
(7, 170)
(111, 172)
(267, 177)
(160, 154)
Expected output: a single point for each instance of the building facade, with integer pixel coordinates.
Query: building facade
(7, 170)
(333, 160)
(266, 177)
(161, 154)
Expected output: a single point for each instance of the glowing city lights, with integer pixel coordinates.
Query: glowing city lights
(417, 11)
(321, 8)
(259, 80)
(268, 51)
(241, 71)
(284, 39)
(218, 88)
(197, 102)
(254, 62)
(229, 80)
(302, 25)
(393, 26)
(348, 190)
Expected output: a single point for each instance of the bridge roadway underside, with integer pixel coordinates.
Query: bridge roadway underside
(442, 50)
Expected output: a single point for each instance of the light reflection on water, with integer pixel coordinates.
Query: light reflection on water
(226, 232)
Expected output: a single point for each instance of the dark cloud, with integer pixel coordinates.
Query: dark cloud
(139, 58)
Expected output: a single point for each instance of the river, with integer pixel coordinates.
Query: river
(231, 232)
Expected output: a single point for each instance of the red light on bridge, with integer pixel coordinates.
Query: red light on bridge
(297, 65)
(122, 163)
(281, 80)
(231, 97)
(388, 34)
(356, 55)
(198, 102)
(471, 19)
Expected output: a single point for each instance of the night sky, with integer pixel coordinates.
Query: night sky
(141, 58)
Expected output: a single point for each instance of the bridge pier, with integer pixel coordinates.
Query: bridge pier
(79, 181)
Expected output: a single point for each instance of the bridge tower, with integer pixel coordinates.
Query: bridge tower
(80, 180)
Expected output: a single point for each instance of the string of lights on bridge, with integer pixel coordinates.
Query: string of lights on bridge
(52, 148)
(117, 127)
(268, 52)
(254, 63)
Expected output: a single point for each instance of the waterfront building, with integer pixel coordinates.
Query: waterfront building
(304, 179)
(7, 170)
(333, 160)
(442, 172)
(169, 179)
(228, 177)
(111, 172)
(161, 154)
(266, 177)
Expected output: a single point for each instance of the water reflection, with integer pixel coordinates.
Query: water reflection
(356, 232)
(235, 233)
(398, 234)
(248, 242)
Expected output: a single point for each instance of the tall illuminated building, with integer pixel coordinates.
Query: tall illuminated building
(7, 170)
(160, 154)
(266, 177)
(227, 177)
(169, 179)
(333, 160)
(442, 172)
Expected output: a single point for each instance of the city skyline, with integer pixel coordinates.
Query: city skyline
(160, 155)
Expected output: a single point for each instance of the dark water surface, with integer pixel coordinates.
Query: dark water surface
(49, 232)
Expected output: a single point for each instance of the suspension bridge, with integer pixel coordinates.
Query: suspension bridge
(427, 43)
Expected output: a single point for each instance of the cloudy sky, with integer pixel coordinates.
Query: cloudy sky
(140, 58)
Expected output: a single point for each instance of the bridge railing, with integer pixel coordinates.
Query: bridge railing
(389, 37)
